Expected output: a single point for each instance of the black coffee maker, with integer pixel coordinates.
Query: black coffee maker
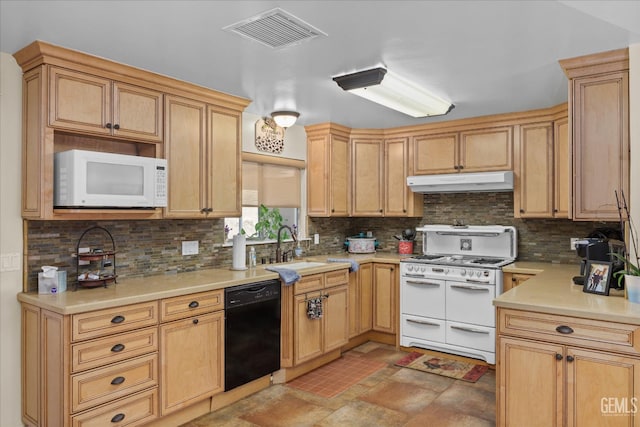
(599, 246)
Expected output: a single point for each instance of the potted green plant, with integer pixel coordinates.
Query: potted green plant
(269, 221)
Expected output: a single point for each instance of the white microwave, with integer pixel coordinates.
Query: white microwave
(92, 179)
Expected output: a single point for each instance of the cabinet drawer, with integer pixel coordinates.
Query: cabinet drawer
(313, 282)
(113, 320)
(131, 411)
(596, 334)
(335, 278)
(191, 305)
(103, 351)
(103, 385)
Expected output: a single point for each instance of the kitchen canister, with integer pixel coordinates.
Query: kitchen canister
(405, 247)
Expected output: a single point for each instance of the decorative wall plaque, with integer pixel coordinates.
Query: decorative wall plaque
(269, 136)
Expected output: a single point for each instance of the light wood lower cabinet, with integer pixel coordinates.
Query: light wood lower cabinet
(565, 371)
(385, 297)
(314, 337)
(361, 300)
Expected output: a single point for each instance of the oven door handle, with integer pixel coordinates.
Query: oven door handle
(466, 329)
(481, 282)
(415, 282)
(413, 275)
(471, 288)
(423, 322)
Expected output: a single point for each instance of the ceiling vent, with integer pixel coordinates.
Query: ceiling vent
(275, 28)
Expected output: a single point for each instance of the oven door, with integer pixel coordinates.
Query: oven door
(470, 303)
(422, 297)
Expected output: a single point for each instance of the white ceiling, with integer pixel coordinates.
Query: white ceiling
(487, 57)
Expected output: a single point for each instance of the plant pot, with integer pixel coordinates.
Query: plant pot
(632, 288)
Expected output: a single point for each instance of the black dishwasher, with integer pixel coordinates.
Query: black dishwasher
(252, 332)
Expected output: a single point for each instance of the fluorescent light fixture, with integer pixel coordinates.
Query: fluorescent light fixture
(284, 119)
(385, 88)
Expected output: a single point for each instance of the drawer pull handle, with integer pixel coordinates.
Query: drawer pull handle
(117, 319)
(117, 418)
(558, 356)
(117, 348)
(475, 331)
(193, 304)
(563, 329)
(415, 282)
(470, 288)
(570, 359)
(422, 322)
(117, 381)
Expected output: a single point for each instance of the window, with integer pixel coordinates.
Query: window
(272, 185)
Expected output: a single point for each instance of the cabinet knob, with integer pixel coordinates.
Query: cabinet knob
(195, 321)
(108, 125)
(117, 380)
(117, 418)
(117, 319)
(564, 329)
(117, 348)
(521, 210)
(116, 126)
(558, 356)
(570, 359)
(380, 210)
(193, 304)
(555, 210)
(461, 167)
(456, 167)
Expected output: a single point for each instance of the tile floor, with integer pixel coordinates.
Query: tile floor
(392, 396)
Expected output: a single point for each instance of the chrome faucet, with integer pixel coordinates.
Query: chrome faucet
(278, 250)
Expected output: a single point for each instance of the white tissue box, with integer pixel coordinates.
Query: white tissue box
(52, 285)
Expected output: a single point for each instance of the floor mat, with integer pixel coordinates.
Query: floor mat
(452, 368)
(334, 378)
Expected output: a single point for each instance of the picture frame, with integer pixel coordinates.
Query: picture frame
(598, 277)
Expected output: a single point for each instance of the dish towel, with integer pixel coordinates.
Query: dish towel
(314, 308)
(354, 264)
(288, 276)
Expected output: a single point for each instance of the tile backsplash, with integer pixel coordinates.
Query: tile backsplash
(149, 247)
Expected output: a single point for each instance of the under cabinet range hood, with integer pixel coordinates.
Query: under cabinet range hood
(462, 182)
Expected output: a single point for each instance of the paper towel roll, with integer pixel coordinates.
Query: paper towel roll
(239, 260)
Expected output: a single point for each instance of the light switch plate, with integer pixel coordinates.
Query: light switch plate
(190, 247)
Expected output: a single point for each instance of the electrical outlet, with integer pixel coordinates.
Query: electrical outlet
(573, 242)
(316, 239)
(190, 247)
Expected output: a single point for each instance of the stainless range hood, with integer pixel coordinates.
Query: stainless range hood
(462, 182)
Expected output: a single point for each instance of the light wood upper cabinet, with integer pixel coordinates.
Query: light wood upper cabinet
(562, 168)
(328, 165)
(399, 200)
(599, 116)
(202, 147)
(367, 177)
(84, 103)
(480, 150)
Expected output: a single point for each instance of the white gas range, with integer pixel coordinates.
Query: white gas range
(446, 293)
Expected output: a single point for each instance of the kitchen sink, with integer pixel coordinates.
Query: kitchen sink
(301, 265)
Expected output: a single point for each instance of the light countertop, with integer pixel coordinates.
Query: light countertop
(137, 290)
(552, 291)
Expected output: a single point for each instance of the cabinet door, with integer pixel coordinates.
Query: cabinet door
(365, 315)
(602, 389)
(562, 168)
(79, 102)
(354, 303)
(367, 177)
(486, 150)
(336, 317)
(535, 171)
(307, 332)
(339, 176)
(191, 360)
(224, 176)
(185, 151)
(399, 200)
(434, 154)
(318, 187)
(534, 370)
(600, 114)
(137, 112)
(385, 298)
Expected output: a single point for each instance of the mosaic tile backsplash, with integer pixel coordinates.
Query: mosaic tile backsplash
(149, 247)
